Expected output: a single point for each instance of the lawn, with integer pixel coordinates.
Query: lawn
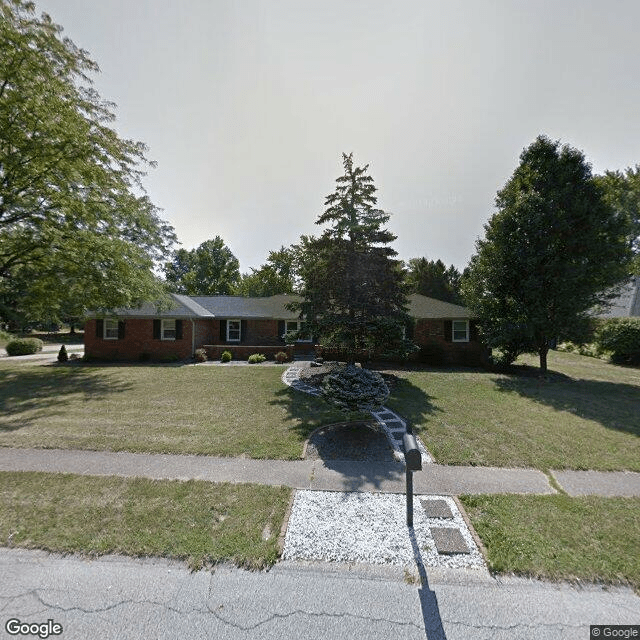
(560, 538)
(221, 411)
(584, 415)
(199, 522)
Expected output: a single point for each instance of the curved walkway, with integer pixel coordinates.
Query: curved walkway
(391, 423)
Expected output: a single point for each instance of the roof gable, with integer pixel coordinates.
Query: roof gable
(424, 307)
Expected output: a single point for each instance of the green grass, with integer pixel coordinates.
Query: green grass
(584, 415)
(199, 522)
(232, 411)
(560, 538)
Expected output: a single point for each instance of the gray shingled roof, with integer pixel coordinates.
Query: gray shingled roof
(182, 307)
(423, 307)
(626, 304)
(271, 307)
(239, 307)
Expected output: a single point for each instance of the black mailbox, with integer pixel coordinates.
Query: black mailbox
(412, 455)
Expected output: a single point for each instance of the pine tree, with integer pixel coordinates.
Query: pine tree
(352, 285)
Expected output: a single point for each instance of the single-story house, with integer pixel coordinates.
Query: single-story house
(255, 325)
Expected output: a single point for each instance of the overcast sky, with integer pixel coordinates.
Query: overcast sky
(247, 105)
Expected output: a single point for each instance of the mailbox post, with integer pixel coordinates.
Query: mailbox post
(413, 462)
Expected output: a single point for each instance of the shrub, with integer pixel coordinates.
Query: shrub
(353, 390)
(144, 357)
(62, 354)
(226, 356)
(169, 357)
(201, 355)
(256, 358)
(621, 338)
(432, 354)
(24, 346)
(281, 357)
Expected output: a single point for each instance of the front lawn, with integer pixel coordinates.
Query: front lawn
(584, 415)
(199, 522)
(560, 538)
(230, 411)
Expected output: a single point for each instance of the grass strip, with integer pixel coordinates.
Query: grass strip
(557, 537)
(199, 522)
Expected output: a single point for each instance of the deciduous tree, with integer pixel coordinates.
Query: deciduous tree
(73, 212)
(209, 270)
(549, 254)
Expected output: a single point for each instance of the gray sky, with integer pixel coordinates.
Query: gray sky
(247, 105)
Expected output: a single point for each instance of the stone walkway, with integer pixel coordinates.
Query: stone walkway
(391, 423)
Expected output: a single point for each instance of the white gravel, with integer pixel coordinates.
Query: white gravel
(370, 528)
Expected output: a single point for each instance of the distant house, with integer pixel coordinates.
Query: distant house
(254, 325)
(626, 304)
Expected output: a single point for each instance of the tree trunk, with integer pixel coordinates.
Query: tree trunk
(542, 352)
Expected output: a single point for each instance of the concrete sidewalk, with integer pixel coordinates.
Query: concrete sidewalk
(329, 475)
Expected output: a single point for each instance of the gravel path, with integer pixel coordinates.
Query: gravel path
(371, 528)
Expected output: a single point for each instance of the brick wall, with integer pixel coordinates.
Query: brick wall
(138, 340)
(428, 332)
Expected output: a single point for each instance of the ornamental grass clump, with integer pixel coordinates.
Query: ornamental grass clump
(355, 390)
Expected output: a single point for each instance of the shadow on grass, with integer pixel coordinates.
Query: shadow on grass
(411, 402)
(43, 392)
(310, 412)
(614, 405)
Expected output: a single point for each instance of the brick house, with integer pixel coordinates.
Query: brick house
(255, 325)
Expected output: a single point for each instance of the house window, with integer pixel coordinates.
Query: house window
(233, 330)
(110, 329)
(296, 325)
(168, 330)
(460, 330)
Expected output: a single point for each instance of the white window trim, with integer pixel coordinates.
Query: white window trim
(298, 328)
(104, 328)
(239, 330)
(453, 331)
(162, 328)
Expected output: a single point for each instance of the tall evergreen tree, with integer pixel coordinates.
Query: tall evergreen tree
(352, 285)
(549, 254)
(432, 278)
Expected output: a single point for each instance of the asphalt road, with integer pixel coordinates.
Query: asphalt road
(123, 598)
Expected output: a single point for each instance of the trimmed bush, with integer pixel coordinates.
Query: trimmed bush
(24, 346)
(621, 338)
(226, 356)
(354, 390)
(201, 355)
(257, 358)
(281, 357)
(62, 354)
(432, 354)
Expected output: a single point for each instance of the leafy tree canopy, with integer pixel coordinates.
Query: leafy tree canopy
(277, 275)
(549, 254)
(433, 279)
(209, 270)
(352, 286)
(622, 192)
(73, 213)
